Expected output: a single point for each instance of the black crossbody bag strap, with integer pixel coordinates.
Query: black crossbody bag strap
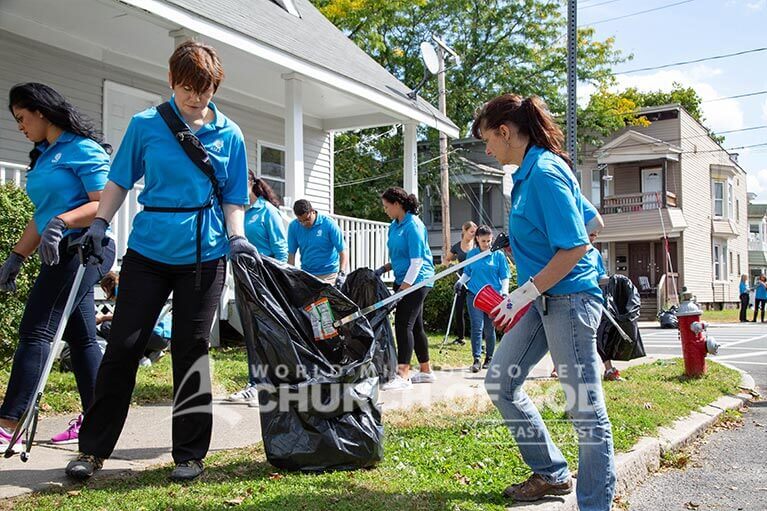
(199, 156)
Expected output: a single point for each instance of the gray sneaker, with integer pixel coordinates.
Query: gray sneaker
(187, 470)
(84, 466)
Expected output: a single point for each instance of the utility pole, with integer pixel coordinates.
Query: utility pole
(572, 81)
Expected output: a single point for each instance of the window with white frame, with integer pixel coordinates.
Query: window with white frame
(718, 199)
(739, 269)
(271, 167)
(754, 232)
(730, 199)
(731, 265)
(595, 188)
(737, 211)
(720, 260)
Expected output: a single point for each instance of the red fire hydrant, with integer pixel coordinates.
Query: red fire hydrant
(691, 331)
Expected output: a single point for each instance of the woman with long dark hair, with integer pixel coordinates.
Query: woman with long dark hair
(411, 261)
(67, 170)
(558, 282)
(264, 229)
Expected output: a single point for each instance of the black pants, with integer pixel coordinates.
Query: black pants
(408, 325)
(458, 315)
(144, 287)
(743, 306)
(759, 303)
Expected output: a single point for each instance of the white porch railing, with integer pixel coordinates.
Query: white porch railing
(757, 246)
(629, 202)
(13, 173)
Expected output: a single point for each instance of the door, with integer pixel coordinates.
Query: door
(652, 187)
(640, 266)
(120, 104)
(660, 258)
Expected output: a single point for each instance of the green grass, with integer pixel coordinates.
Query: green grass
(449, 457)
(726, 316)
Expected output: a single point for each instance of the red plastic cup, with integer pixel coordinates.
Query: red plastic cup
(487, 299)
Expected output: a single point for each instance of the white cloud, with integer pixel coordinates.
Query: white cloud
(719, 115)
(756, 5)
(756, 182)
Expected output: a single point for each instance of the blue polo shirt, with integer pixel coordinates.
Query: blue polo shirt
(409, 240)
(490, 270)
(547, 214)
(150, 151)
(265, 230)
(761, 291)
(319, 244)
(63, 175)
(743, 288)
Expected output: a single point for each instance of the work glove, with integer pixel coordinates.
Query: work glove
(9, 271)
(50, 239)
(240, 247)
(340, 279)
(380, 271)
(513, 307)
(93, 240)
(458, 287)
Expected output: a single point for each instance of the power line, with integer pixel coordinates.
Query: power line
(597, 5)
(685, 62)
(728, 149)
(387, 174)
(368, 140)
(634, 13)
(737, 96)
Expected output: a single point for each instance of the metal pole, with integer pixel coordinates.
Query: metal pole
(443, 169)
(572, 80)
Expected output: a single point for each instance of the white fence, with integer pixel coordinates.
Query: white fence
(13, 173)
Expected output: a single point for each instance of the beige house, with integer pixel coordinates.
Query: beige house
(670, 178)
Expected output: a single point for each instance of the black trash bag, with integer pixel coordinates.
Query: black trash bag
(318, 399)
(365, 289)
(668, 318)
(623, 302)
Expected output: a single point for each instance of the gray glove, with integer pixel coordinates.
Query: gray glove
(340, 279)
(380, 271)
(93, 238)
(458, 287)
(239, 246)
(49, 241)
(9, 270)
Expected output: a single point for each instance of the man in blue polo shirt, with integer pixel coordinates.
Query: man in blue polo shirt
(321, 242)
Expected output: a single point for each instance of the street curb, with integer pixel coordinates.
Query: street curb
(636, 465)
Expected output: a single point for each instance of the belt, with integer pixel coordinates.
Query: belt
(199, 210)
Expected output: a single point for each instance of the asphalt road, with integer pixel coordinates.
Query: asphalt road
(727, 469)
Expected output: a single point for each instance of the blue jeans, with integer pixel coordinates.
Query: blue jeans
(481, 326)
(568, 330)
(42, 315)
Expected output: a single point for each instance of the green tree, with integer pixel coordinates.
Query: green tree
(685, 96)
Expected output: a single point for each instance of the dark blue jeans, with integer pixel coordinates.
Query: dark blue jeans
(42, 315)
(481, 326)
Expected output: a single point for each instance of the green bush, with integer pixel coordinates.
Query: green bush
(436, 309)
(15, 211)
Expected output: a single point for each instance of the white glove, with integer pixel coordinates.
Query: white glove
(513, 307)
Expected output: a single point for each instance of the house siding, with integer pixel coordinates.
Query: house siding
(81, 80)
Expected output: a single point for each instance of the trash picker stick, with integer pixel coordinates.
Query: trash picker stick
(502, 241)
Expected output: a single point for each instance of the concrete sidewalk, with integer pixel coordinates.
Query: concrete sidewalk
(146, 439)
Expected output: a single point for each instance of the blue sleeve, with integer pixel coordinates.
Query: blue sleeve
(563, 224)
(292, 238)
(589, 211)
(90, 162)
(415, 242)
(128, 164)
(503, 266)
(236, 187)
(336, 236)
(276, 231)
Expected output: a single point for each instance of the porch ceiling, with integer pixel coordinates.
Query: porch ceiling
(138, 40)
(643, 225)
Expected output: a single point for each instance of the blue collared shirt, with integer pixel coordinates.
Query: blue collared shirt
(491, 270)
(150, 151)
(265, 230)
(761, 291)
(547, 215)
(409, 240)
(319, 244)
(63, 175)
(743, 288)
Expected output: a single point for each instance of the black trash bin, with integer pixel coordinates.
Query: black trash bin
(622, 300)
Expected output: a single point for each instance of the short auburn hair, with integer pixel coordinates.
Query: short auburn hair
(196, 65)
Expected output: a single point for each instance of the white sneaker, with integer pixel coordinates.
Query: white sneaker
(249, 393)
(422, 377)
(398, 383)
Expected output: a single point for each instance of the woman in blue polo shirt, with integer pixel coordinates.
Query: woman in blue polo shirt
(493, 271)
(265, 230)
(550, 244)
(410, 258)
(67, 171)
(178, 244)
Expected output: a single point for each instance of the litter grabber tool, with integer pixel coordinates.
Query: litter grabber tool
(449, 323)
(27, 426)
(501, 242)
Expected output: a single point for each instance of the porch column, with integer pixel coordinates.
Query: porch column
(664, 172)
(601, 187)
(294, 139)
(410, 169)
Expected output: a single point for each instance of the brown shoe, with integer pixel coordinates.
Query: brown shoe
(536, 488)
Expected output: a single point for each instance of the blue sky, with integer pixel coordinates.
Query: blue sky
(692, 30)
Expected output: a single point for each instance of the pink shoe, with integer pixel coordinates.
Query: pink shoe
(5, 439)
(71, 434)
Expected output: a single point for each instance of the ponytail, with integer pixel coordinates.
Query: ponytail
(397, 195)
